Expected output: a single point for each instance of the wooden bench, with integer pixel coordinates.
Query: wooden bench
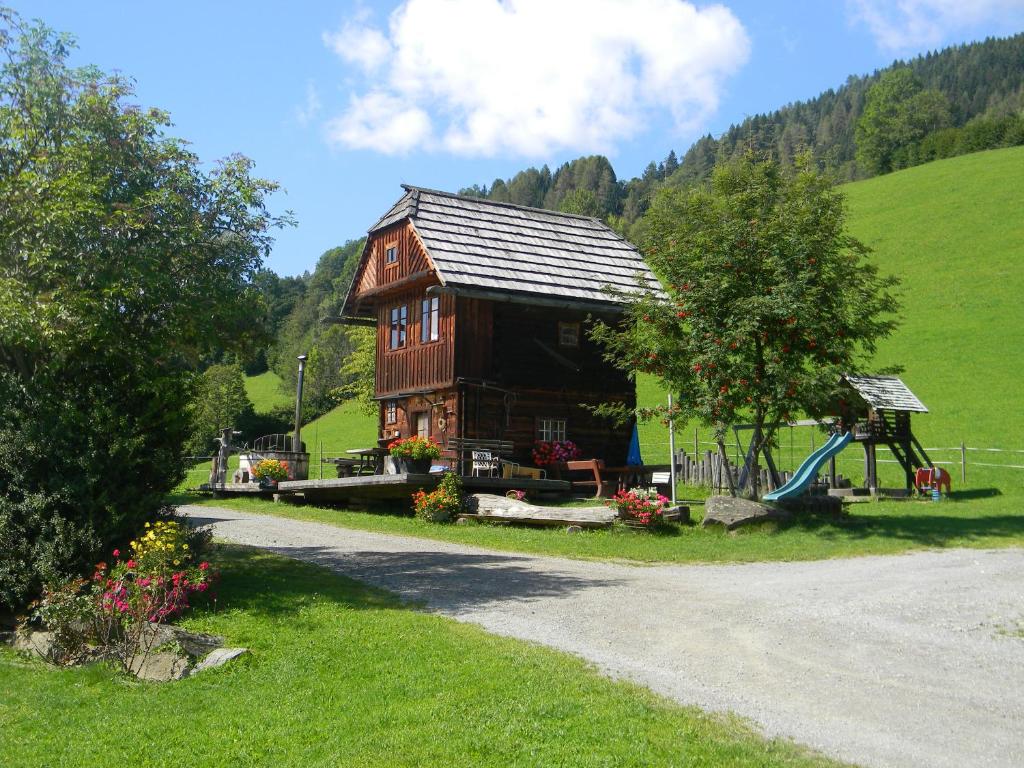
(592, 468)
(465, 447)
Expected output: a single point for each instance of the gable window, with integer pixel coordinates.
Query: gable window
(430, 316)
(391, 412)
(568, 334)
(399, 322)
(391, 255)
(550, 429)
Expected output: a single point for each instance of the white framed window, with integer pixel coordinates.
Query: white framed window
(391, 254)
(568, 334)
(549, 430)
(391, 412)
(399, 324)
(430, 319)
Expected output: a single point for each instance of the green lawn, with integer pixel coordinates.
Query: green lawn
(341, 674)
(266, 392)
(879, 528)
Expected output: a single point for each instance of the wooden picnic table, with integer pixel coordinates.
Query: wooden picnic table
(634, 475)
(370, 458)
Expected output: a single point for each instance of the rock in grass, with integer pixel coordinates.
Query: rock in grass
(160, 667)
(733, 513)
(218, 658)
(192, 643)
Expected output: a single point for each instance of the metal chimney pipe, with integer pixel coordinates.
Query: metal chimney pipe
(297, 441)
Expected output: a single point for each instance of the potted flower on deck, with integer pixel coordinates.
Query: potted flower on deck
(414, 455)
(269, 472)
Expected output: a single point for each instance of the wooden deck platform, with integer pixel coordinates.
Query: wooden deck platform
(401, 486)
(246, 489)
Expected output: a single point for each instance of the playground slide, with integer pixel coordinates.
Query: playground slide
(809, 469)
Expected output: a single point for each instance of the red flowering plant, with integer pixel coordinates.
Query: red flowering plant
(549, 452)
(640, 506)
(113, 614)
(441, 504)
(415, 448)
(272, 470)
(152, 584)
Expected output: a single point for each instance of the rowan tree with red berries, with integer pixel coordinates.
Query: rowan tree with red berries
(767, 299)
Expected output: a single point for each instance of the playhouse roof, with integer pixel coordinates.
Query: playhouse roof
(886, 393)
(485, 245)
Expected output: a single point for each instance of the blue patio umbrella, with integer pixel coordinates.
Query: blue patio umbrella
(633, 456)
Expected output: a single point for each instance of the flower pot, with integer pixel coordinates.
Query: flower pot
(268, 484)
(413, 466)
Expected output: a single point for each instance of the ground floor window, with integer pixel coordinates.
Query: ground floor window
(422, 421)
(391, 412)
(550, 429)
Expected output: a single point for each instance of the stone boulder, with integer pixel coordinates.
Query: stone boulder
(734, 512)
(218, 658)
(160, 666)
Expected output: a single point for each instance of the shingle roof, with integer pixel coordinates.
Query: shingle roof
(482, 244)
(886, 392)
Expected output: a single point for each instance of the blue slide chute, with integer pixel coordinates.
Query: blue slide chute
(809, 469)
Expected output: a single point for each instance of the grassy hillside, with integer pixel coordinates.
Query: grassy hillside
(953, 231)
(266, 391)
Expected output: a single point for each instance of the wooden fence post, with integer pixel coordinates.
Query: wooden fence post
(963, 463)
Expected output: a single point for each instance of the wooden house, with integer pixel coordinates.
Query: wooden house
(481, 310)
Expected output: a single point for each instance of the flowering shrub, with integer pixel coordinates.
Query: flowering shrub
(415, 448)
(441, 504)
(271, 469)
(113, 613)
(515, 495)
(640, 506)
(548, 452)
(155, 580)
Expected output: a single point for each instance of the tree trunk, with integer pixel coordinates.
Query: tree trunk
(726, 468)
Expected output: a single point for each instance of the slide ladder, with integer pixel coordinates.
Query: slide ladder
(805, 475)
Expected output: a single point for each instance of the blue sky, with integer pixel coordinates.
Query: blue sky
(341, 102)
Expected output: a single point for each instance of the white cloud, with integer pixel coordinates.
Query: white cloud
(478, 77)
(310, 108)
(381, 122)
(911, 25)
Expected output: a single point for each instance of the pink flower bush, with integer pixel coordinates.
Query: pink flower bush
(548, 452)
(640, 506)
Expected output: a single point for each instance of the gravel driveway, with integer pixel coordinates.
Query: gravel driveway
(881, 661)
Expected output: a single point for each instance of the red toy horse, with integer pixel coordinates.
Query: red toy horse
(931, 477)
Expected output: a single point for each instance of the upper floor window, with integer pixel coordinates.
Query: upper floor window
(551, 429)
(391, 255)
(398, 325)
(430, 317)
(568, 334)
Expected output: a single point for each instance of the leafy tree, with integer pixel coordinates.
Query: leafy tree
(767, 299)
(359, 370)
(305, 332)
(122, 263)
(582, 202)
(221, 401)
(897, 114)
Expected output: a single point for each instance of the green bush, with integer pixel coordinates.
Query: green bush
(122, 264)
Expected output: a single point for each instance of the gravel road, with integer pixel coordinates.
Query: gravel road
(880, 661)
